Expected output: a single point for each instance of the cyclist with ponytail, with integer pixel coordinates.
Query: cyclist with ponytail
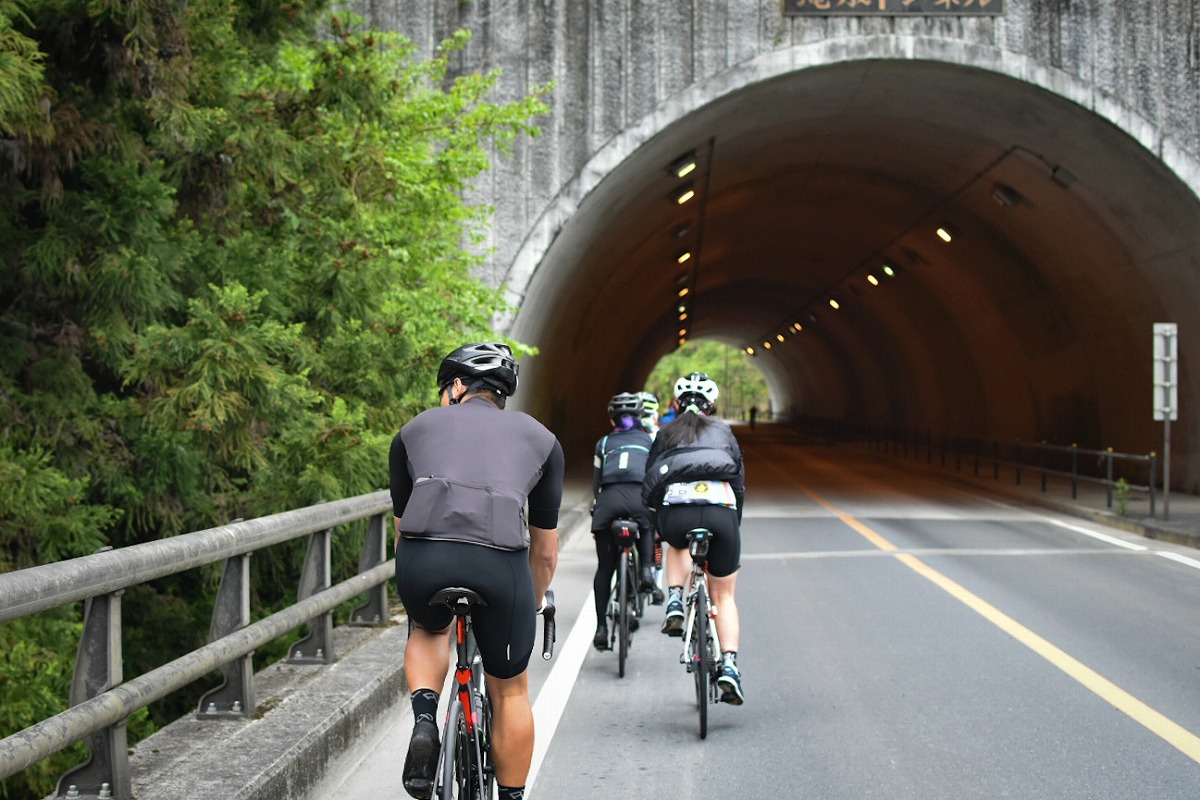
(695, 478)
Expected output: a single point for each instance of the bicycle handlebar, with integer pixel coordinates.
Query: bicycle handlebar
(547, 613)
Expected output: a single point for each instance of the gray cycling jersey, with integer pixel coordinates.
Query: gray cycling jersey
(472, 468)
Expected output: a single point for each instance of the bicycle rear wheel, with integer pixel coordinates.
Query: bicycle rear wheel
(701, 657)
(454, 762)
(623, 589)
(487, 768)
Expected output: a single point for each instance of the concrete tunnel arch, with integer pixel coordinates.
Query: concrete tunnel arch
(1075, 232)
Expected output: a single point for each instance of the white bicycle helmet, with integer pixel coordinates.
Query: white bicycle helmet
(696, 389)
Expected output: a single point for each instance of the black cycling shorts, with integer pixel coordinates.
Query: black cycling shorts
(505, 628)
(725, 550)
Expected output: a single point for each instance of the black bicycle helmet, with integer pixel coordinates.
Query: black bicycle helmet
(625, 403)
(488, 365)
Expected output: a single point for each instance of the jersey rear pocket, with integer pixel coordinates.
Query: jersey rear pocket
(445, 509)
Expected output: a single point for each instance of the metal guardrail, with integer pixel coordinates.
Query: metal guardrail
(101, 700)
(1118, 473)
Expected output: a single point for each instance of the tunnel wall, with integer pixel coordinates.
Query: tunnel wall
(625, 71)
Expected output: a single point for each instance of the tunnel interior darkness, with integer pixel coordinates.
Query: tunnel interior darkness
(1069, 241)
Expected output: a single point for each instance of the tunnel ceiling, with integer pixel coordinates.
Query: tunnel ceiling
(1070, 241)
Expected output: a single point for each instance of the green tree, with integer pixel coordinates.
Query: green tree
(235, 247)
(740, 383)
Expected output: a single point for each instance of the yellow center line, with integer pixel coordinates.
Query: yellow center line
(1169, 731)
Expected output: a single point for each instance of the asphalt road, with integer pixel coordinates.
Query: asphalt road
(902, 637)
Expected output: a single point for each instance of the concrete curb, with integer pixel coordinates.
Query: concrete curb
(308, 715)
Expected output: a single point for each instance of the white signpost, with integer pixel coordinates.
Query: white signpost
(1166, 396)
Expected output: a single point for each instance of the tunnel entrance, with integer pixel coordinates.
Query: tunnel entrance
(1067, 240)
(736, 374)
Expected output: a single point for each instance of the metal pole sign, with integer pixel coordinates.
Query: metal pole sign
(1166, 396)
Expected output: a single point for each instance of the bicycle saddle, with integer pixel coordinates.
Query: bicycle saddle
(452, 595)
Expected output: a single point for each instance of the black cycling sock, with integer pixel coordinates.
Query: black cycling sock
(424, 705)
(510, 792)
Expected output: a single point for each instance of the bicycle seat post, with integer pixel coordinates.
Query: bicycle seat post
(698, 540)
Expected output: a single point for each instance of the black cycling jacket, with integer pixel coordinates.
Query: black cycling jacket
(714, 456)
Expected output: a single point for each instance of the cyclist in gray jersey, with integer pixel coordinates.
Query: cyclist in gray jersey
(476, 492)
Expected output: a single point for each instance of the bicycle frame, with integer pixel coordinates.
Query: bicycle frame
(625, 601)
(465, 768)
(701, 643)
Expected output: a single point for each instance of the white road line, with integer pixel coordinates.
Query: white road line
(555, 692)
(1188, 562)
(1103, 537)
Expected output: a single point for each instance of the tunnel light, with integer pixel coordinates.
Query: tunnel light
(683, 331)
(796, 328)
(684, 292)
(767, 345)
(946, 233)
(682, 317)
(682, 308)
(684, 165)
(779, 336)
(683, 257)
(749, 351)
(682, 340)
(871, 279)
(681, 196)
(889, 271)
(834, 304)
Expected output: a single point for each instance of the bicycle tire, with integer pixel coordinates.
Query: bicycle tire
(623, 612)
(452, 766)
(486, 773)
(701, 657)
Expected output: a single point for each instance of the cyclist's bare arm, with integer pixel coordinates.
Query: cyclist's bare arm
(543, 559)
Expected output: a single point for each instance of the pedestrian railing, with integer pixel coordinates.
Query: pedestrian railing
(101, 700)
(1118, 473)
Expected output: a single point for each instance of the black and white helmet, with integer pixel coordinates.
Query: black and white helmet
(625, 403)
(696, 389)
(489, 365)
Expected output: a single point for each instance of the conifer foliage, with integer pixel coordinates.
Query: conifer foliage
(234, 248)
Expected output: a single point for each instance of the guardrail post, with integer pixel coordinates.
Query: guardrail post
(374, 553)
(1108, 476)
(317, 647)
(1074, 470)
(1153, 480)
(234, 698)
(98, 669)
(1042, 464)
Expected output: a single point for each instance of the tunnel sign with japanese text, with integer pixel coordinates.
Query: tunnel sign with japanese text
(833, 7)
(1166, 372)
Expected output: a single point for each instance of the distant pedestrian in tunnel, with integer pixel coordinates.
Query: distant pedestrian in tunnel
(461, 476)
(753, 416)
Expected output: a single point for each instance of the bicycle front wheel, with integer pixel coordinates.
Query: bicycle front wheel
(701, 656)
(623, 590)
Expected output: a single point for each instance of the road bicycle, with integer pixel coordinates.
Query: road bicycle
(465, 770)
(701, 645)
(626, 602)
